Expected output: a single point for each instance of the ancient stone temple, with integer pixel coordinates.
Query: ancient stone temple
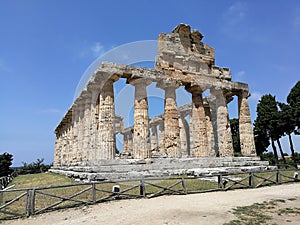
(86, 136)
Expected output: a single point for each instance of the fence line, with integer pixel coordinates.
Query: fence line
(97, 192)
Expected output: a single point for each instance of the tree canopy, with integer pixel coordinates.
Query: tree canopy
(5, 163)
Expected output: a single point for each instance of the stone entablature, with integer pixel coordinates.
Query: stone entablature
(87, 132)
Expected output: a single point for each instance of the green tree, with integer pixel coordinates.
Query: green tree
(35, 167)
(5, 163)
(267, 123)
(293, 99)
(234, 125)
(287, 125)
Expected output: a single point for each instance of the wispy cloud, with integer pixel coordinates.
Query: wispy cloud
(255, 96)
(235, 13)
(240, 74)
(97, 49)
(236, 25)
(94, 49)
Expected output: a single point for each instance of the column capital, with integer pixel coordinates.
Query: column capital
(139, 81)
(164, 84)
(244, 94)
(194, 89)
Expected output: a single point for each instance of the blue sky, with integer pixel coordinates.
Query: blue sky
(45, 47)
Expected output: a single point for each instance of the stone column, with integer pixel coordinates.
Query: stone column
(80, 128)
(64, 147)
(141, 134)
(171, 123)
(75, 119)
(130, 142)
(94, 118)
(223, 126)
(125, 142)
(58, 149)
(183, 137)
(106, 133)
(86, 127)
(210, 133)
(198, 131)
(161, 136)
(154, 138)
(245, 126)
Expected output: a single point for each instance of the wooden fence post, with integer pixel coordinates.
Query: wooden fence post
(30, 202)
(94, 193)
(220, 182)
(1, 195)
(278, 177)
(142, 188)
(251, 180)
(183, 185)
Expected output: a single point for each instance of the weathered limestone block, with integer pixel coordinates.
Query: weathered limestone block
(198, 131)
(106, 133)
(171, 123)
(223, 125)
(245, 126)
(141, 134)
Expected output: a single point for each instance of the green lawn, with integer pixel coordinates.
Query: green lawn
(83, 193)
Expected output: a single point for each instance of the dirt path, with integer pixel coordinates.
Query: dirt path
(206, 208)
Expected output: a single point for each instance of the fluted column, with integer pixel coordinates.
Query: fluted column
(210, 133)
(79, 153)
(183, 138)
(245, 126)
(130, 142)
(94, 118)
(75, 118)
(106, 133)
(86, 127)
(154, 138)
(223, 125)
(58, 150)
(125, 142)
(198, 131)
(171, 123)
(161, 136)
(141, 134)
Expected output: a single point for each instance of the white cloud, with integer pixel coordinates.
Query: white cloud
(235, 14)
(91, 49)
(240, 74)
(255, 96)
(97, 49)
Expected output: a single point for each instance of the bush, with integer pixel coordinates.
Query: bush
(35, 167)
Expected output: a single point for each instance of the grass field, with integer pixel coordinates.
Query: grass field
(80, 194)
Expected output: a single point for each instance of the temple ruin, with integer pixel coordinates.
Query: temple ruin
(86, 136)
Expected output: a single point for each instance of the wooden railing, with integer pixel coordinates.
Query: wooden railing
(30, 201)
(4, 181)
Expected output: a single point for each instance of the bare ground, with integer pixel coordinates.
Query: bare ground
(206, 208)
